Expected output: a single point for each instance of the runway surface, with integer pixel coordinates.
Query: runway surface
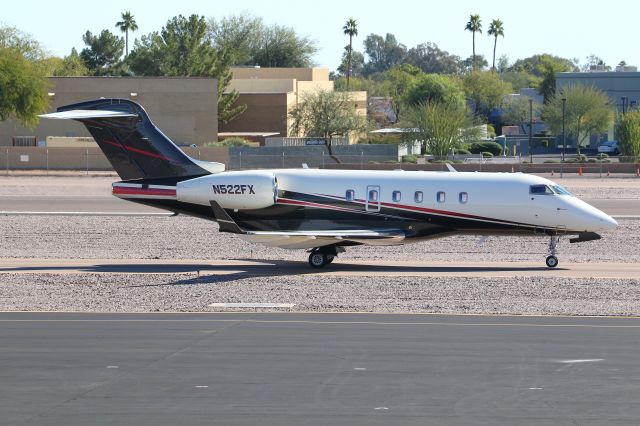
(317, 369)
(109, 204)
(252, 268)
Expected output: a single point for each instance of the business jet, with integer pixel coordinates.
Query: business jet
(325, 211)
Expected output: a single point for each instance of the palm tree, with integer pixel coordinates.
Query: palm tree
(475, 26)
(350, 29)
(496, 29)
(127, 24)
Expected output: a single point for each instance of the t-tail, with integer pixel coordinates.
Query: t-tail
(134, 146)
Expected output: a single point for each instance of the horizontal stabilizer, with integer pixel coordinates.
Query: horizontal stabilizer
(81, 114)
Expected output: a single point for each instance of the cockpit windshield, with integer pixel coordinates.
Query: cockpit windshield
(561, 190)
(540, 190)
(548, 190)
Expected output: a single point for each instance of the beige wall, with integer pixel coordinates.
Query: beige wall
(263, 86)
(266, 112)
(185, 109)
(300, 74)
(80, 158)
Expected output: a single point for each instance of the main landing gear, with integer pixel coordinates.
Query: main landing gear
(321, 256)
(552, 260)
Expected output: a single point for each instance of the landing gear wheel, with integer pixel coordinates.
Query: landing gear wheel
(329, 258)
(318, 260)
(552, 261)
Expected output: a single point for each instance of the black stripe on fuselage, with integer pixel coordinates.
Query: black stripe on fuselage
(296, 211)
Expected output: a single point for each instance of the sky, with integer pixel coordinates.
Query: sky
(571, 29)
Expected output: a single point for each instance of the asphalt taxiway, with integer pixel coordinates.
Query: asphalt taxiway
(251, 268)
(317, 369)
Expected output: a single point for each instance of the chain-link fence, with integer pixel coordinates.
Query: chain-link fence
(88, 160)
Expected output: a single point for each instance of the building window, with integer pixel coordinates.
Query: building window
(397, 196)
(373, 195)
(464, 197)
(441, 197)
(350, 195)
(418, 197)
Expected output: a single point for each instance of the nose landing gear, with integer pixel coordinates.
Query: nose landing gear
(552, 260)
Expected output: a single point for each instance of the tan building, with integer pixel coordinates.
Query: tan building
(270, 93)
(185, 109)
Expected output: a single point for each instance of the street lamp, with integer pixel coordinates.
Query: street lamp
(564, 135)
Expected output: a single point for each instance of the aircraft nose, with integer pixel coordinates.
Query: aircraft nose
(607, 222)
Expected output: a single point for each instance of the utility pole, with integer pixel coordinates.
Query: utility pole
(564, 135)
(530, 125)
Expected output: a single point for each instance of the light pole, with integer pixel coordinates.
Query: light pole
(564, 135)
(624, 104)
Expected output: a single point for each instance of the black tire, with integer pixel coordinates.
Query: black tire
(317, 260)
(552, 261)
(329, 258)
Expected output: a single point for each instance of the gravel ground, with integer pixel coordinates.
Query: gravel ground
(183, 292)
(181, 237)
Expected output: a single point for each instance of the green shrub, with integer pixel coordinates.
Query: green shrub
(552, 161)
(229, 142)
(410, 159)
(391, 162)
(491, 131)
(380, 140)
(592, 160)
(487, 154)
(492, 147)
(544, 143)
(602, 156)
(461, 151)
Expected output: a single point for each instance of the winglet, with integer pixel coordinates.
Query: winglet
(227, 224)
(450, 167)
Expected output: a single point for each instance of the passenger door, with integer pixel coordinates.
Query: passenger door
(372, 203)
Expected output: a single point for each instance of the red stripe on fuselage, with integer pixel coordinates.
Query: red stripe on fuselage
(124, 190)
(428, 210)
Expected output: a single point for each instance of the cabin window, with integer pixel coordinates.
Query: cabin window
(418, 196)
(540, 190)
(441, 197)
(350, 195)
(373, 195)
(397, 196)
(464, 197)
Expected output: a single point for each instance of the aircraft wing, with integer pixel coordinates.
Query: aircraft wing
(310, 238)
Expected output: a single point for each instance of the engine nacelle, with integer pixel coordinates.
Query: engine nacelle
(232, 190)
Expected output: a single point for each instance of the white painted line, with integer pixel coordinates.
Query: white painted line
(252, 305)
(381, 408)
(201, 386)
(32, 213)
(112, 366)
(626, 216)
(578, 361)
(360, 369)
(535, 388)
